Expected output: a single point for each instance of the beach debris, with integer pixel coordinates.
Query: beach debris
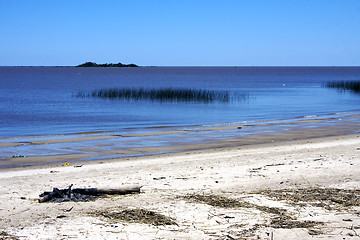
(225, 202)
(138, 215)
(159, 178)
(68, 210)
(7, 236)
(84, 194)
(66, 164)
(285, 222)
(252, 170)
(327, 198)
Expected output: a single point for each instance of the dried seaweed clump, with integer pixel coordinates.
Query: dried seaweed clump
(139, 216)
(224, 202)
(321, 197)
(286, 222)
(282, 218)
(6, 236)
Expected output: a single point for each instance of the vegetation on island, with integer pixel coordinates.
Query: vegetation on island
(92, 64)
(345, 85)
(163, 94)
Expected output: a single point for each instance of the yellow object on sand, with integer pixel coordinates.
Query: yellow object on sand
(66, 164)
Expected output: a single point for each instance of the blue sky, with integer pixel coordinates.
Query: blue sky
(180, 33)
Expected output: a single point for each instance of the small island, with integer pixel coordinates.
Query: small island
(92, 64)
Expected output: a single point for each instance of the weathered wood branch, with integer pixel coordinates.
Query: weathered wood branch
(110, 191)
(84, 194)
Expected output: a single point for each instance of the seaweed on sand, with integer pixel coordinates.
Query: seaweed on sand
(138, 216)
(6, 236)
(288, 223)
(224, 202)
(282, 218)
(327, 198)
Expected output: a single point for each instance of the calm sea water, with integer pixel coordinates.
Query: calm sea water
(41, 100)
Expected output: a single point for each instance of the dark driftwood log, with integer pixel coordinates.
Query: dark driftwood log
(110, 191)
(83, 194)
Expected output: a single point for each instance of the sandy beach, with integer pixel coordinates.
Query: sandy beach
(301, 189)
(179, 120)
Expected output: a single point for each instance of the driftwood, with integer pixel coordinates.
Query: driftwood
(84, 194)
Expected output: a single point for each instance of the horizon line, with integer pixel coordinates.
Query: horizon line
(188, 66)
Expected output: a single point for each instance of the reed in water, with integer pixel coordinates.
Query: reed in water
(345, 85)
(162, 94)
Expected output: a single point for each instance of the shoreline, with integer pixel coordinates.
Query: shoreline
(171, 186)
(77, 160)
(84, 147)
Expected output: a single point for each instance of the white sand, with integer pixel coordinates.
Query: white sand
(331, 162)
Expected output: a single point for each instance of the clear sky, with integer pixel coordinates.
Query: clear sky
(180, 32)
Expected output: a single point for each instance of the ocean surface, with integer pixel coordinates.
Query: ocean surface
(42, 100)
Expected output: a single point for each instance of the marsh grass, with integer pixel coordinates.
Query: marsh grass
(344, 85)
(138, 216)
(163, 95)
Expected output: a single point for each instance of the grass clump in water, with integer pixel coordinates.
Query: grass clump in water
(345, 85)
(139, 216)
(162, 94)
